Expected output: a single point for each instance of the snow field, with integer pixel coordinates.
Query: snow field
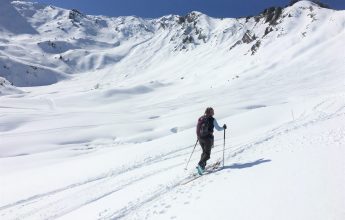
(111, 137)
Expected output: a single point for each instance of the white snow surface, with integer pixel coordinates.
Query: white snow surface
(6, 88)
(98, 114)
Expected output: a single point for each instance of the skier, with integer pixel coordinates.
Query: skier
(204, 131)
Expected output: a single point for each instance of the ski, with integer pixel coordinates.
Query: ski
(209, 169)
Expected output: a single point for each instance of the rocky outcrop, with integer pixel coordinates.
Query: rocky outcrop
(247, 38)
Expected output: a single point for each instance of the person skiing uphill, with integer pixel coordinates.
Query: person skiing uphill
(204, 131)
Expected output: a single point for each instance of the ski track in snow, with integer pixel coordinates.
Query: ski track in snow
(93, 83)
(131, 212)
(294, 125)
(53, 206)
(59, 202)
(97, 184)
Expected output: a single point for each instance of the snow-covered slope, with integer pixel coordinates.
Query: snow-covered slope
(6, 88)
(104, 122)
(41, 45)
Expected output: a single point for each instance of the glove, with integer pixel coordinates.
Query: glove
(224, 126)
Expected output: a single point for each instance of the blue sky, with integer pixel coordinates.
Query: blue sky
(157, 8)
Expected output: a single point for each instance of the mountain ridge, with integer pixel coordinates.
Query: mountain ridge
(103, 124)
(70, 42)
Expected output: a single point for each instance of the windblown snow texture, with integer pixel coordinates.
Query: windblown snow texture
(98, 114)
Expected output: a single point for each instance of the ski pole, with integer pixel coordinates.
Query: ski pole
(224, 148)
(192, 153)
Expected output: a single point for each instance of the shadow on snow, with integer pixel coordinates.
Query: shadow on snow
(246, 165)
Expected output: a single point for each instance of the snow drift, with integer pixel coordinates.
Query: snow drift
(107, 121)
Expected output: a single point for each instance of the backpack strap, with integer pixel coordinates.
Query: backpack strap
(200, 120)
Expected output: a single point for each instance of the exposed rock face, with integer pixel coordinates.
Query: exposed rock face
(247, 38)
(67, 42)
(75, 15)
(272, 15)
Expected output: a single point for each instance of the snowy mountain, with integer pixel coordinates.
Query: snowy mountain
(98, 114)
(42, 45)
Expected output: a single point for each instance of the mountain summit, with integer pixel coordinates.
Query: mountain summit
(43, 44)
(103, 125)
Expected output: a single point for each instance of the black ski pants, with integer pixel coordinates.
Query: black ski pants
(206, 145)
